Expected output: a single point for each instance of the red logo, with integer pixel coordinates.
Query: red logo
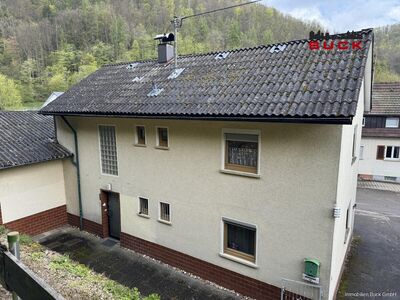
(326, 41)
(330, 45)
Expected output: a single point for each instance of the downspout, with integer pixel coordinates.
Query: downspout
(78, 172)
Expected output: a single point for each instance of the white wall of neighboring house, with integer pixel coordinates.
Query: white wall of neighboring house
(377, 168)
(292, 223)
(31, 189)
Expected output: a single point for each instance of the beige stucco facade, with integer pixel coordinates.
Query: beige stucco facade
(31, 189)
(304, 171)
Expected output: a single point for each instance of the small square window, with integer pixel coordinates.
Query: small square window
(143, 206)
(392, 123)
(162, 137)
(240, 241)
(241, 152)
(140, 135)
(165, 213)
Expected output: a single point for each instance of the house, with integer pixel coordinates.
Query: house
(380, 142)
(33, 193)
(235, 166)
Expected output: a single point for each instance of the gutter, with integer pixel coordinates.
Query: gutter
(78, 172)
(304, 120)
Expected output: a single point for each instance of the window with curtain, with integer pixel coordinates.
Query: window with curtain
(143, 206)
(241, 152)
(240, 240)
(108, 150)
(165, 214)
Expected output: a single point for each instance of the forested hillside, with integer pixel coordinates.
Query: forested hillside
(48, 45)
(387, 50)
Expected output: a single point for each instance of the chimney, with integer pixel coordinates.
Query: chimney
(165, 48)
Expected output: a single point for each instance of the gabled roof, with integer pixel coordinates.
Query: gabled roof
(281, 82)
(26, 138)
(386, 98)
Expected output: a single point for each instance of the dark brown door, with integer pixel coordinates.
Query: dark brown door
(114, 215)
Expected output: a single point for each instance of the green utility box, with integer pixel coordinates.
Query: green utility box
(311, 267)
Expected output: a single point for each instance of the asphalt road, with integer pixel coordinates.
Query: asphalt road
(373, 271)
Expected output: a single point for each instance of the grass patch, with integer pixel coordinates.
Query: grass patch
(25, 239)
(63, 262)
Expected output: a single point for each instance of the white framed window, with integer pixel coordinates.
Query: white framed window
(241, 151)
(108, 150)
(362, 152)
(239, 240)
(363, 122)
(143, 207)
(392, 123)
(140, 137)
(392, 153)
(162, 137)
(165, 212)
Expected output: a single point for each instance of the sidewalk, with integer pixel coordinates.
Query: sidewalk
(129, 268)
(379, 185)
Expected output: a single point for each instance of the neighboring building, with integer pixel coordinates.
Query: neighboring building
(380, 143)
(33, 197)
(230, 166)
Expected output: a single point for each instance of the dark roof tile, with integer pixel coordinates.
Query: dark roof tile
(253, 82)
(386, 98)
(26, 138)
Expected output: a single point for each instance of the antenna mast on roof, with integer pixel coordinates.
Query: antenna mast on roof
(177, 23)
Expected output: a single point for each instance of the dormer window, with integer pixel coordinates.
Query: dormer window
(392, 123)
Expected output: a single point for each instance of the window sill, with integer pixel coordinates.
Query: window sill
(252, 175)
(391, 159)
(161, 148)
(143, 216)
(140, 145)
(165, 222)
(239, 260)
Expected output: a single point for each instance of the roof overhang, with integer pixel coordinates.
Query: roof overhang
(266, 119)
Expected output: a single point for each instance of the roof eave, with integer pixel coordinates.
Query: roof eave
(279, 119)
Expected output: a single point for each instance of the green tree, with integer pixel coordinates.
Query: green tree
(10, 97)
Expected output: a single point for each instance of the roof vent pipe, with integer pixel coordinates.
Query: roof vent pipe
(165, 48)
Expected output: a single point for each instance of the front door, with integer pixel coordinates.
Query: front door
(114, 215)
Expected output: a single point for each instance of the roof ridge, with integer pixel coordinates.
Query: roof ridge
(291, 42)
